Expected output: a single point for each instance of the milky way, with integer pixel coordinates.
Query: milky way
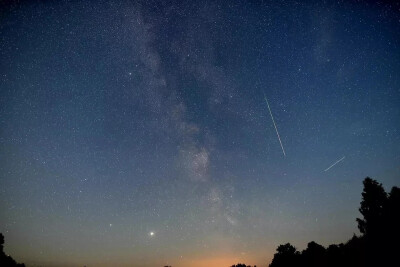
(135, 133)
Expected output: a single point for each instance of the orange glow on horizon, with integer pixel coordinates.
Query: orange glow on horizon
(211, 262)
(226, 260)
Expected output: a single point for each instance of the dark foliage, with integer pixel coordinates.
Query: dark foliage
(377, 246)
(372, 205)
(287, 255)
(241, 265)
(5, 260)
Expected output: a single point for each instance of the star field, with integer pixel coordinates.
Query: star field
(135, 133)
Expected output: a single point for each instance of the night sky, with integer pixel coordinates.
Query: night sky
(137, 133)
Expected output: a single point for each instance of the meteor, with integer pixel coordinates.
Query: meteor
(334, 164)
(273, 121)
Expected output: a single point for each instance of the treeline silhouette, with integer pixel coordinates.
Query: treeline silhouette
(6, 260)
(376, 246)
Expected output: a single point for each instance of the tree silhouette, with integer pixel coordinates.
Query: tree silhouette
(314, 255)
(390, 234)
(380, 224)
(5, 260)
(334, 255)
(374, 198)
(377, 246)
(287, 255)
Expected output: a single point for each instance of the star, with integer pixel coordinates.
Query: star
(154, 116)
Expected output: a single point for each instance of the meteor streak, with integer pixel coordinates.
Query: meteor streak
(273, 121)
(334, 164)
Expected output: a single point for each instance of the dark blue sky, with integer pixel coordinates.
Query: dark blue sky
(135, 133)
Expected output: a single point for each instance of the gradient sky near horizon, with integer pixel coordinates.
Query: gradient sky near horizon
(135, 133)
